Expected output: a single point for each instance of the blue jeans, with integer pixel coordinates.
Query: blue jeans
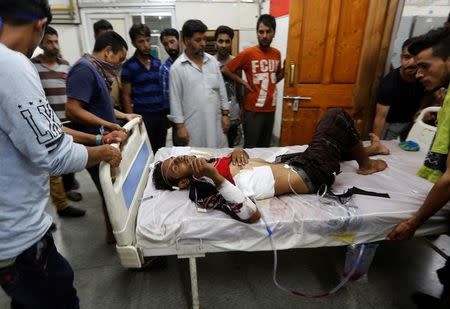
(40, 278)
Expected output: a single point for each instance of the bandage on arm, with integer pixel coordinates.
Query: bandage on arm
(244, 207)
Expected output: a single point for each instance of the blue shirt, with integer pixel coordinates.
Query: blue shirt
(146, 91)
(164, 78)
(86, 84)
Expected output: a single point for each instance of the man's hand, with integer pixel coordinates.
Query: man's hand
(114, 137)
(247, 86)
(183, 134)
(129, 117)
(239, 157)
(112, 156)
(203, 168)
(403, 230)
(114, 127)
(105, 153)
(226, 123)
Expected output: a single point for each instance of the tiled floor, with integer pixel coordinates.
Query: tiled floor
(237, 279)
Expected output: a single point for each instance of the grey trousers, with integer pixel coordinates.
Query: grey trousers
(393, 130)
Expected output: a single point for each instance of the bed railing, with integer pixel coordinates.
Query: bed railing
(123, 186)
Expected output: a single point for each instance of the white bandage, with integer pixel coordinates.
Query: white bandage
(232, 194)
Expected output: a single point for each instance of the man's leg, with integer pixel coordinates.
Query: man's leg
(337, 127)
(232, 133)
(156, 129)
(95, 175)
(265, 137)
(59, 199)
(40, 278)
(253, 126)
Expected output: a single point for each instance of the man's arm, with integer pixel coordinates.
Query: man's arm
(224, 103)
(176, 108)
(380, 119)
(127, 117)
(436, 199)
(248, 212)
(281, 71)
(76, 113)
(126, 98)
(226, 71)
(90, 139)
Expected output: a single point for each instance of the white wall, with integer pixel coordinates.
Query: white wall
(69, 41)
(240, 16)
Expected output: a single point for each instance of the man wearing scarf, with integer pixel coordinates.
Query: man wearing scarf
(432, 53)
(89, 103)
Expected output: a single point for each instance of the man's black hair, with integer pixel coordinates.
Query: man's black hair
(102, 25)
(224, 30)
(110, 38)
(267, 20)
(21, 12)
(158, 179)
(407, 43)
(137, 30)
(193, 26)
(50, 31)
(438, 39)
(169, 32)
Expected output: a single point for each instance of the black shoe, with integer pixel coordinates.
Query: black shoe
(52, 227)
(74, 196)
(71, 211)
(425, 301)
(75, 184)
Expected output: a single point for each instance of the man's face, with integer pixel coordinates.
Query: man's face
(171, 46)
(223, 44)
(408, 63)
(196, 45)
(50, 45)
(177, 168)
(433, 72)
(142, 44)
(115, 58)
(265, 35)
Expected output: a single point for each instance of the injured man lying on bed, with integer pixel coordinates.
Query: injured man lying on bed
(232, 183)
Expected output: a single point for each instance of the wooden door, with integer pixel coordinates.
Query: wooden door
(336, 50)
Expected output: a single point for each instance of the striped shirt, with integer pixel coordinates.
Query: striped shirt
(146, 90)
(54, 83)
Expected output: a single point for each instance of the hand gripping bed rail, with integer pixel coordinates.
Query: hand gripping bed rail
(421, 132)
(123, 186)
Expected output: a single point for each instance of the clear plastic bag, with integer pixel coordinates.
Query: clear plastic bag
(364, 264)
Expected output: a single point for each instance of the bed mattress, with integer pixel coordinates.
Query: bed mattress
(167, 219)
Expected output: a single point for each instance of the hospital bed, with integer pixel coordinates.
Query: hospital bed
(149, 222)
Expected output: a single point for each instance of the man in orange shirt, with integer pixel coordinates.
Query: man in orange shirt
(263, 70)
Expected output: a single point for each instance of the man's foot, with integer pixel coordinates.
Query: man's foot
(52, 227)
(75, 184)
(71, 211)
(74, 196)
(425, 301)
(372, 167)
(376, 146)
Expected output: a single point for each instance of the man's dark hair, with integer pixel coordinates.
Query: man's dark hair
(102, 25)
(137, 30)
(438, 39)
(192, 26)
(21, 12)
(169, 32)
(110, 38)
(408, 42)
(50, 31)
(267, 20)
(158, 179)
(224, 30)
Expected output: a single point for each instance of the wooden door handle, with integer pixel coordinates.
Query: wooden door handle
(291, 74)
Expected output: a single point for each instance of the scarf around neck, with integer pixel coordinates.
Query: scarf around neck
(108, 71)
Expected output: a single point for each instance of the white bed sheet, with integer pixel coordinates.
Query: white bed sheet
(168, 218)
